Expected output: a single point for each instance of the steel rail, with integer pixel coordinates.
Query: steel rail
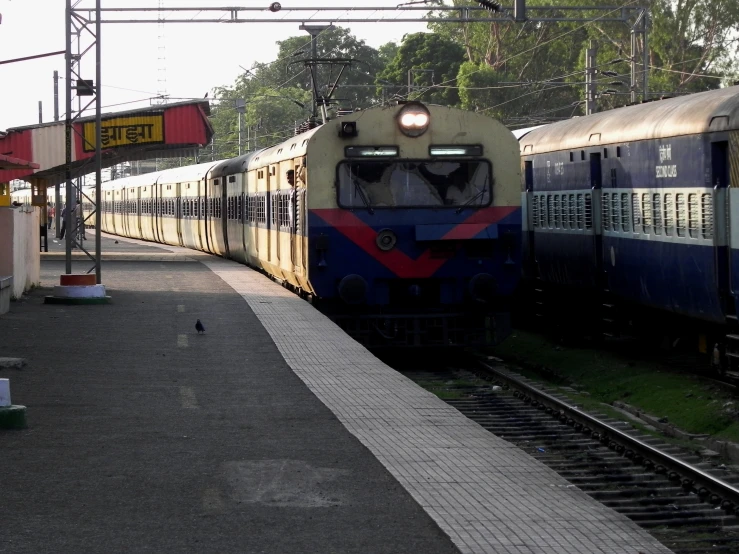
(719, 491)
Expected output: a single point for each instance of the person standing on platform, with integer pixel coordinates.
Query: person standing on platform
(50, 213)
(64, 221)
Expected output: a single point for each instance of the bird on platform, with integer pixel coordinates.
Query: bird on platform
(199, 327)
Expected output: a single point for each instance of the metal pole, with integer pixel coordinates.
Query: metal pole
(40, 112)
(633, 66)
(239, 133)
(57, 209)
(590, 85)
(68, 141)
(646, 57)
(56, 96)
(314, 55)
(98, 144)
(410, 83)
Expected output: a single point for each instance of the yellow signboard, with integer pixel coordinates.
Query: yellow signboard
(126, 131)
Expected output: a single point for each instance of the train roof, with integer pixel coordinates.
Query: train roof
(715, 110)
(132, 181)
(520, 133)
(187, 173)
(234, 165)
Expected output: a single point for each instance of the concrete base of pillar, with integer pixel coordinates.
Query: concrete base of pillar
(13, 417)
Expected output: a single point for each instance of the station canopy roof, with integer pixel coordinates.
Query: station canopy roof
(163, 131)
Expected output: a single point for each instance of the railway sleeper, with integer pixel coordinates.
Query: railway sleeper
(649, 513)
(636, 478)
(636, 493)
(666, 522)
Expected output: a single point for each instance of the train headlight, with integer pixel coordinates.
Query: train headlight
(414, 119)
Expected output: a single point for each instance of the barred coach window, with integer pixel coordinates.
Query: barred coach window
(414, 184)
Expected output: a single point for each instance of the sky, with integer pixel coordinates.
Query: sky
(196, 56)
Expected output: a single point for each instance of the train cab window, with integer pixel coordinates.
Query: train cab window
(572, 156)
(582, 155)
(232, 179)
(216, 181)
(605, 153)
(384, 183)
(618, 151)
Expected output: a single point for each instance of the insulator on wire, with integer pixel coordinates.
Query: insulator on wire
(489, 5)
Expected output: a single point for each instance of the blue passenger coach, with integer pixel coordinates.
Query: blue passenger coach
(634, 208)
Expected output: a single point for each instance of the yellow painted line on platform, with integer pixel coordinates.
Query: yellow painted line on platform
(212, 501)
(187, 397)
(181, 308)
(169, 276)
(182, 341)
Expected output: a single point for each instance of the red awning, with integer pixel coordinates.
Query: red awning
(8, 162)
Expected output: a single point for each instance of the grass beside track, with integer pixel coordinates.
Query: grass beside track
(659, 383)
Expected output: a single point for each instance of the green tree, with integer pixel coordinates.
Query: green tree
(355, 88)
(432, 60)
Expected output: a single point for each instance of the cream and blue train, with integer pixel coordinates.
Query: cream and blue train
(403, 224)
(638, 207)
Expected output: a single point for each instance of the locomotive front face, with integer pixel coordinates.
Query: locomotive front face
(420, 234)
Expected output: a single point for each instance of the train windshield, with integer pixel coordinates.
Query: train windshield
(414, 184)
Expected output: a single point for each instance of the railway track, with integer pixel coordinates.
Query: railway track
(685, 501)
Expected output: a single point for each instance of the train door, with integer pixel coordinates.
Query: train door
(273, 216)
(527, 198)
(225, 251)
(178, 213)
(725, 208)
(596, 185)
(158, 213)
(137, 214)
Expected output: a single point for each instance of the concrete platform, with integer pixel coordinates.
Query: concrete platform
(274, 432)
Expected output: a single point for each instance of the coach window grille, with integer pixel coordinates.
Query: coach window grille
(550, 211)
(606, 211)
(657, 213)
(680, 212)
(615, 213)
(707, 215)
(669, 211)
(693, 216)
(636, 212)
(573, 212)
(646, 210)
(542, 211)
(625, 216)
(557, 212)
(580, 211)
(588, 211)
(535, 210)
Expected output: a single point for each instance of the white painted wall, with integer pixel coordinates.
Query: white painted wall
(20, 254)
